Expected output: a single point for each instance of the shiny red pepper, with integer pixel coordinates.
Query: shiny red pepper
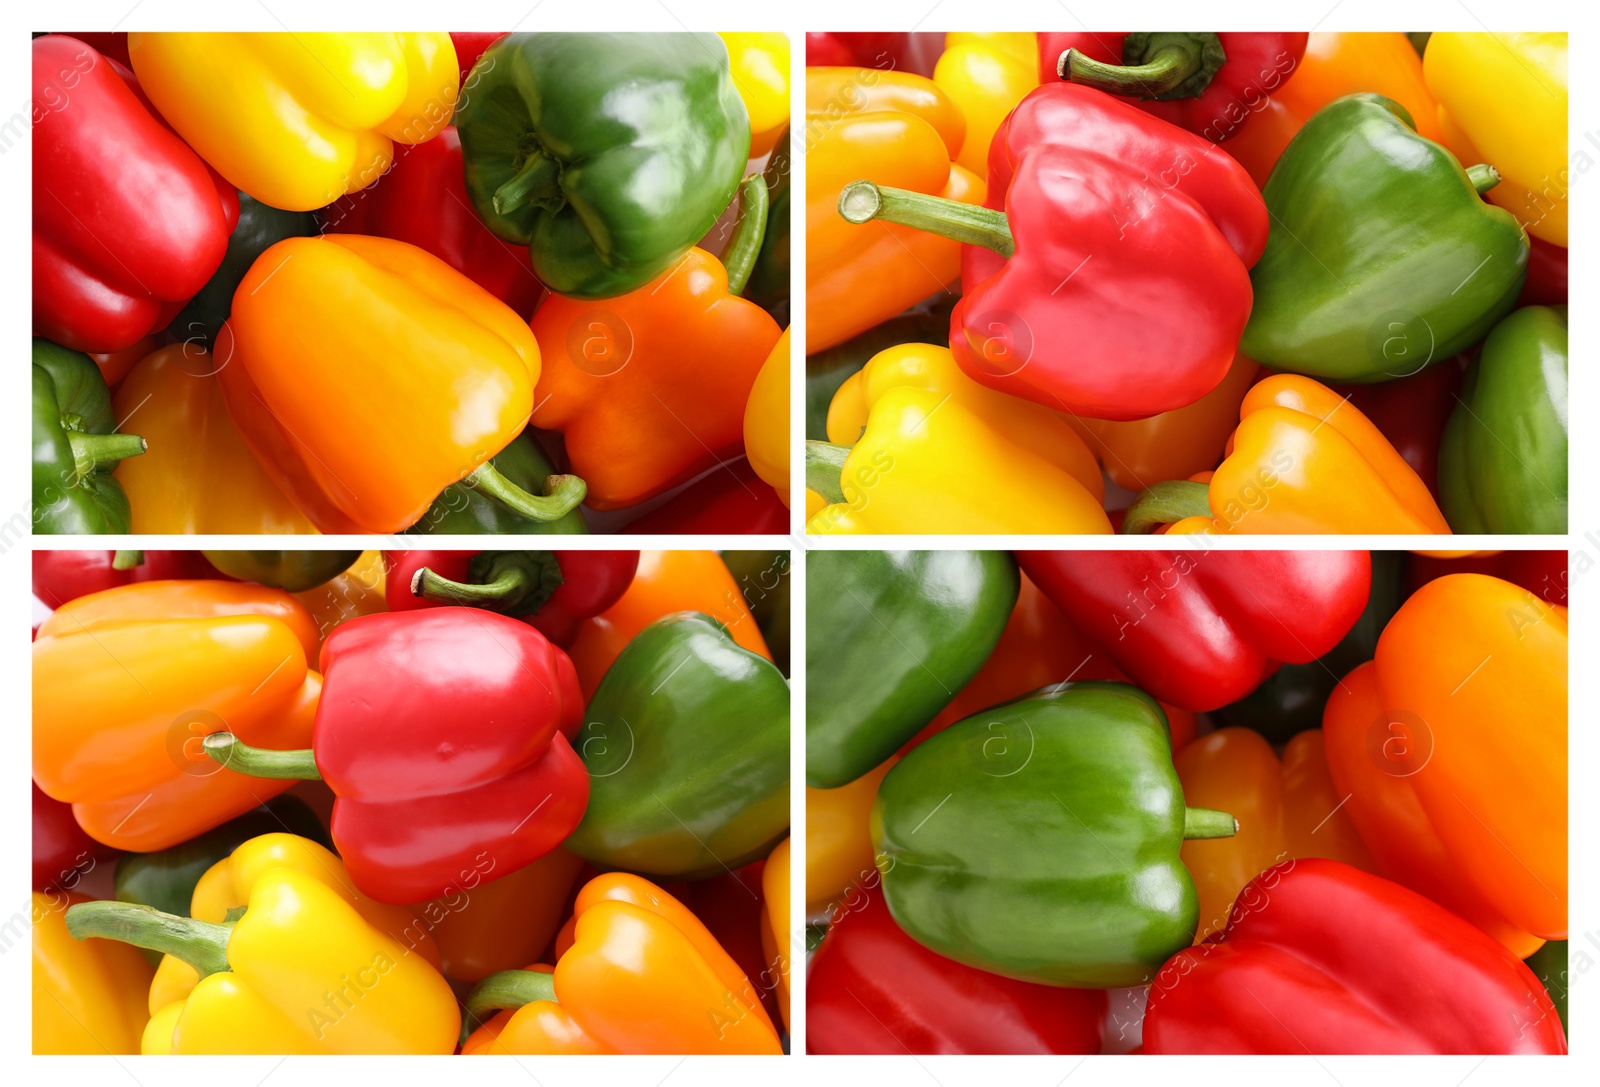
(875, 49)
(1411, 412)
(62, 853)
(60, 576)
(470, 46)
(731, 498)
(1201, 629)
(551, 591)
(128, 223)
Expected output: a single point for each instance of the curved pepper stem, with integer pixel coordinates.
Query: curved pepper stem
(969, 224)
(1155, 65)
(258, 762)
(1483, 177)
(537, 181)
(1165, 504)
(1208, 823)
(563, 494)
(506, 991)
(91, 451)
(824, 469)
(739, 257)
(127, 560)
(201, 944)
(508, 582)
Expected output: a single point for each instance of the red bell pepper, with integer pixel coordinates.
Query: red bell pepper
(873, 989)
(1546, 284)
(60, 576)
(470, 46)
(1210, 84)
(729, 499)
(1542, 573)
(1201, 629)
(551, 591)
(423, 200)
(877, 49)
(1319, 957)
(62, 853)
(1411, 412)
(128, 223)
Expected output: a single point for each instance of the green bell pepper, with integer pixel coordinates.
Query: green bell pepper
(1039, 840)
(763, 578)
(891, 636)
(260, 227)
(833, 366)
(291, 571)
(608, 155)
(1503, 458)
(462, 509)
(687, 744)
(1551, 965)
(1381, 257)
(76, 446)
(769, 281)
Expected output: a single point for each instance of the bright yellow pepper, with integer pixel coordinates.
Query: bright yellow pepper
(1503, 100)
(766, 420)
(299, 120)
(775, 922)
(838, 841)
(88, 995)
(937, 452)
(760, 66)
(986, 75)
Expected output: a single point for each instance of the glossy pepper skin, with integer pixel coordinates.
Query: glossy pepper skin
(1201, 630)
(503, 923)
(775, 938)
(127, 221)
(260, 227)
(608, 155)
(864, 49)
(88, 996)
(839, 857)
(766, 420)
(1368, 274)
(125, 751)
(759, 67)
(730, 498)
(681, 707)
(62, 853)
(1077, 782)
(1411, 412)
(76, 446)
(986, 74)
(462, 509)
(891, 636)
(1503, 460)
(920, 1002)
(1411, 978)
(298, 120)
(291, 571)
(60, 576)
(830, 368)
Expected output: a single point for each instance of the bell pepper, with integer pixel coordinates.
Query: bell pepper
(128, 681)
(1302, 460)
(759, 68)
(839, 858)
(1504, 96)
(367, 376)
(465, 509)
(729, 499)
(731, 907)
(898, 129)
(1496, 797)
(986, 75)
(260, 227)
(1411, 412)
(763, 583)
(1546, 284)
(62, 853)
(110, 44)
(891, 636)
(197, 476)
(469, 47)
(358, 591)
(1550, 965)
(608, 155)
(769, 279)
(1503, 459)
(1382, 257)
(879, 49)
(686, 742)
(303, 970)
(88, 996)
(291, 571)
(423, 201)
(114, 365)
(1088, 891)
(1543, 573)
(1203, 629)
(873, 989)
(500, 924)
(766, 420)
(76, 446)
(298, 120)
(932, 450)
(415, 816)
(551, 591)
(775, 932)
(650, 387)
(1293, 974)
(60, 576)
(1073, 175)
(127, 222)
(830, 368)
(643, 975)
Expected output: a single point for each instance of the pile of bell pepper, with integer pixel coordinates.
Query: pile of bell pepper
(410, 282)
(498, 802)
(1180, 802)
(1186, 283)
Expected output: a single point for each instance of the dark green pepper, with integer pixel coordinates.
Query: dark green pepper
(463, 509)
(763, 578)
(1503, 458)
(76, 446)
(608, 155)
(833, 366)
(1039, 839)
(1550, 964)
(260, 227)
(687, 744)
(891, 636)
(1382, 257)
(291, 571)
(769, 281)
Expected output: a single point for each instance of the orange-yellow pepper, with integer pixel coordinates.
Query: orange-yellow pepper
(128, 681)
(759, 63)
(356, 592)
(766, 420)
(503, 923)
(88, 995)
(839, 853)
(775, 936)
(986, 75)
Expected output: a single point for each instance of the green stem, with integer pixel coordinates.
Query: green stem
(511, 583)
(1160, 75)
(537, 181)
(506, 991)
(563, 494)
(739, 258)
(92, 451)
(258, 762)
(127, 560)
(969, 224)
(1165, 504)
(1207, 823)
(201, 944)
(1483, 177)
(825, 468)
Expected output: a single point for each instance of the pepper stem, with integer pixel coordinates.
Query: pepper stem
(258, 762)
(1207, 823)
(127, 560)
(825, 469)
(512, 582)
(969, 224)
(1165, 504)
(563, 494)
(505, 991)
(508, 582)
(1160, 75)
(91, 451)
(535, 182)
(201, 944)
(739, 258)
(1483, 177)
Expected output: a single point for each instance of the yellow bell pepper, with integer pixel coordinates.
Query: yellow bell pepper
(838, 840)
(1503, 100)
(775, 922)
(88, 995)
(766, 420)
(299, 120)
(759, 63)
(986, 75)
(937, 452)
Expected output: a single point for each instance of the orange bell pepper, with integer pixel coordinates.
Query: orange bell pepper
(1465, 708)
(1287, 809)
(775, 935)
(505, 922)
(666, 581)
(358, 591)
(197, 474)
(128, 681)
(895, 129)
(88, 995)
